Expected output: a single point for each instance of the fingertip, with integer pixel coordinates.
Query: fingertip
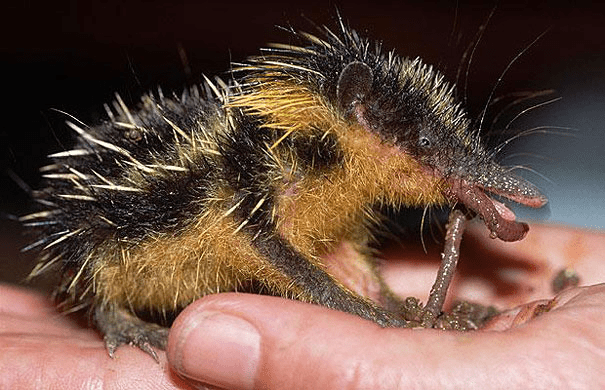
(214, 346)
(241, 341)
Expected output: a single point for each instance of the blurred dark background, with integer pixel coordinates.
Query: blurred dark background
(73, 56)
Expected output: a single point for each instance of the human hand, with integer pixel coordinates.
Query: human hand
(310, 346)
(245, 342)
(239, 341)
(43, 349)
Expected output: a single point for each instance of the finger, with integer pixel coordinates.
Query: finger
(40, 348)
(20, 301)
(583, 303)
(24, 311)
(503, 274)
(61, 363)
(242, 342)
(29, 361)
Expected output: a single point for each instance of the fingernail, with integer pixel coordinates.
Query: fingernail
(219, 349)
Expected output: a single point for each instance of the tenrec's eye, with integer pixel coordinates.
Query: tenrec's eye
(424, 142)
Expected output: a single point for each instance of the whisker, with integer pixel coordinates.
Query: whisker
(424, 212)
(526, 168)
(530, 109)
(479, 36)
(524, 96)
(534, 130)
(525, 154)
(510, 64)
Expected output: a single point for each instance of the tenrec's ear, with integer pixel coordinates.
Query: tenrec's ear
(354, 84)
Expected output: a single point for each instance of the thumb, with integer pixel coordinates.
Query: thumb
(240, 341)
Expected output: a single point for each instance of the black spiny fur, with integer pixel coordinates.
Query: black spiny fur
(251, 186)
